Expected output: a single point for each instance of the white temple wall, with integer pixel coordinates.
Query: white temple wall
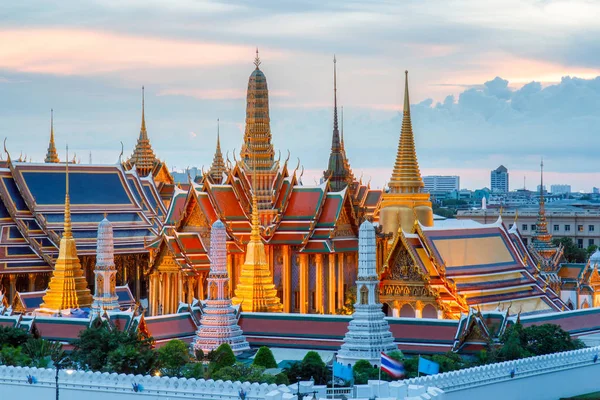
(569, 295)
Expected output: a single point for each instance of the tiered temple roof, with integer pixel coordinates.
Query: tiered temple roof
(52, 154)
(217, 169)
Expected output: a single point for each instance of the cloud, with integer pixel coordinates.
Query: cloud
(87, 52)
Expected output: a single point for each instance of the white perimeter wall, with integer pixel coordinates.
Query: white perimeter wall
(548, 377)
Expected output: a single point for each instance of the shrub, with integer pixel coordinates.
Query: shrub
(264, 358)
(222, 357)
(172, 357)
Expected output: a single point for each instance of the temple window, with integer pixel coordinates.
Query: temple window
(567, 228)
(556, 228)
(579, 228)
(591, 228)
(524, 226)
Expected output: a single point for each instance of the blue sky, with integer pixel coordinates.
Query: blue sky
(494, 82)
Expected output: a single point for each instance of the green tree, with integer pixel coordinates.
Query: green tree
(42, 352)
(513, 344)
(264, 358)
(549, 338)
(14, 337)
(349, 300)
(244, 373)
(92, 349)
(221, 357)
(312, 366)
(14, 356)
(130, 359)
(573, 254)
(172, 357)
(194, 370)
(363, 371)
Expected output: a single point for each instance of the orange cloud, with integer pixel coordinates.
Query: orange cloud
(85, 52)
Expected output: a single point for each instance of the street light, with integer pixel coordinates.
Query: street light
(301, 395)
(58, 365)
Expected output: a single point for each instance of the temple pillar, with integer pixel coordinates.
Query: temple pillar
(319, 284)
(286, 279)
(331, 284)
(418, 309)
(166, 293)
(31, 282)
(396, 310)
(12, 288)
(230, 273)
(137, 282)
(124, 273)
(200, 287)
(180, 298)
(269, 251)
(304, 284)
(190, 290)
(340, 281)
(161, 293)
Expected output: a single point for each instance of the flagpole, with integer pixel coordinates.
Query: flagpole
(379, 386)
(333, 378)
(418, 370)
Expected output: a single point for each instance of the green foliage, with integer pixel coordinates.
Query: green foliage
(13, 337)
(241, 372)
(194, 370)
(349, 300)
(282, 379)
(42, 352)
(222, 357)
(172, 357)
(573, 254)
(96, 343)
(312, 366)
(264, 358)
(549, 338)
(14, 356)
(199, 354)
(363, 371)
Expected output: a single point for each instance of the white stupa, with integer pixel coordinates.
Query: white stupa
(368, 332)
(219, 324)
(105, 272)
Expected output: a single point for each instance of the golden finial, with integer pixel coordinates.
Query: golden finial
(143, 128)
(516, 216)
(406, 100)
(67, 230)
(257, 61)
(218, 134)
(501, 210)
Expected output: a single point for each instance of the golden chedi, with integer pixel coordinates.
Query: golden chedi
(255, 290)
(405, 202)
(67, 288)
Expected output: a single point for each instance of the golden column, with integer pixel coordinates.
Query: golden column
(12, 290)
(319, 283)
(286, 278)
(67, 288)
(340, 281)
(304, 284)
(331, 288)
(31, 282)
(230, 273)
(160, 309)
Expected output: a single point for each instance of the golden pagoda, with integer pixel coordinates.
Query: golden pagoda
(51, 155)
(405, 202)
(67, 288)
(255, 291)
(143, 157)
(218, 165)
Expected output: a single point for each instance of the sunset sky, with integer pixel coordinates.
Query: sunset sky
(492, 82)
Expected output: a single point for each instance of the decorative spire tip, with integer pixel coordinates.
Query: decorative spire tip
(257, 61)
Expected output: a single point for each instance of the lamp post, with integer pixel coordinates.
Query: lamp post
(300, 395)
(58, 365)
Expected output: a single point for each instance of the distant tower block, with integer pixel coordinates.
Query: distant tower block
(368, 332)
(219, 324)
(105, 297)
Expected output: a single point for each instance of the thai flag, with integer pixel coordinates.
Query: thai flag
(393, 367)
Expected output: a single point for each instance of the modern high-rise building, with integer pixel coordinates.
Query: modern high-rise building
(560, 189)
(499, 180)
(439, 183)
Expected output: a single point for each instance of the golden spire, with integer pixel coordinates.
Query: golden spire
(67, 288)
(406, 177)
(255, 291)
(51, 155)
(257, 148)
(218, 165)
(143, 158)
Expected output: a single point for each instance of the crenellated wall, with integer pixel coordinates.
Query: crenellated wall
(548, 377)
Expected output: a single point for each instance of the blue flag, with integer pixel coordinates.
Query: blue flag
(342, 371)
(428, 367)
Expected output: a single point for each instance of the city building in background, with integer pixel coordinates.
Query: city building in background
(441, 183)
(499, 180)
(560, 189)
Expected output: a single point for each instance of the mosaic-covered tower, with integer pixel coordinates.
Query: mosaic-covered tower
(105, 297)
(218, 324)
(368, 332)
